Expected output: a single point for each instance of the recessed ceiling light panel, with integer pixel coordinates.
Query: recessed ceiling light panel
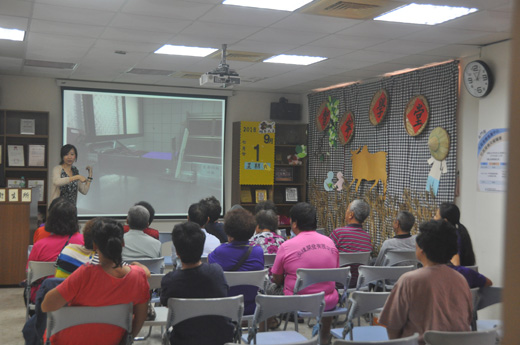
(185, 51)
(12, 34)
(295, 59)
(425, 14)
(280, 5)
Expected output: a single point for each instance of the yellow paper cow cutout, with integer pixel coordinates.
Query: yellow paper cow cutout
(368, 166)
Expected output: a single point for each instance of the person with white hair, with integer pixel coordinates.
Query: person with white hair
(139, 245)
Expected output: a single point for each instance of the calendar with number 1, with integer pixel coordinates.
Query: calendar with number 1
(257, 152)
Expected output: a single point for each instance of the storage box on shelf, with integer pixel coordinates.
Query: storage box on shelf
(290, 181)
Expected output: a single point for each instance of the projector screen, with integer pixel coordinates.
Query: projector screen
(164, 149)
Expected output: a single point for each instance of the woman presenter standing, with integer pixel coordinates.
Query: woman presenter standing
(66, 180)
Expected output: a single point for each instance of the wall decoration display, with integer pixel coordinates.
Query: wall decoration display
(346, 128)
(492, 160)
(257, 152)
(15, 156)
(26, 195)
(260, 195)
(39, 184)
(339, 184)
(368, 166)
(13, 194)
(328, 184)
(27, 126)
(439, 143)
(14, 183)
(245, 195)
(291, 194)
(378, 107)
(416, 115)
(36, 156)
(301, 151)
(2, 194)
(323, 117)
(284, 174)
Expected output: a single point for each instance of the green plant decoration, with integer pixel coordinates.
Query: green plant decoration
(301, 151)
(333, 105)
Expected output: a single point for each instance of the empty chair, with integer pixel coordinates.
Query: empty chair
(375, 274)
(35, 271)
(118, 315)
(362, 303)
(269, 259)
(161, 313)
(488, 296)
(360, 258)
(306, 277)
(155, 266)
(253, 278)
(166, 237)
(181, 309)
(488, 337)
(401, 258)
(411, 340)
(267, 306)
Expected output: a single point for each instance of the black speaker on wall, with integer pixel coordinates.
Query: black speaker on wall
(285, 111)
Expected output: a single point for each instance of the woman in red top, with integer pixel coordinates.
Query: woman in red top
(105, 284)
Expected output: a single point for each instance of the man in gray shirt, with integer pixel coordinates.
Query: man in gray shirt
(402, 240)
(139, 245)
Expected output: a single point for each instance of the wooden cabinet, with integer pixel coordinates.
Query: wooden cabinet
(289, 185)
(16, 132)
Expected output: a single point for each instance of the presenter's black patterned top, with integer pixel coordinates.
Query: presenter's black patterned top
(70, 190)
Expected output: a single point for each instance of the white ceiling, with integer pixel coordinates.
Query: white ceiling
(88, 32)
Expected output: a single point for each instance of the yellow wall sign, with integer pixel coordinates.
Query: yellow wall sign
(257, 152)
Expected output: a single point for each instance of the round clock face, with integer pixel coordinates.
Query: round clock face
(478, 78)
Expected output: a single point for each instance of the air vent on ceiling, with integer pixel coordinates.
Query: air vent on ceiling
(357, 9)
(235, 55)
(186, 75)
(50, 64)
(149, 71)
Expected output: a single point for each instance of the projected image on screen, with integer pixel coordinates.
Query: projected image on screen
(167, 150)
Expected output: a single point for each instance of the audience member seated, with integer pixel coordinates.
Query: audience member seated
(105, 284)
(308, 249)
(265, 232)
(62, 223)
(352, 238)
(149, 231)
(195, 280)
(403, 239)
(238, 255)
(451, 213)
(139, 245)
(433, 297)
(213, 227)
(265, 206)
(198, 213)
(41, 232)
(75, 255)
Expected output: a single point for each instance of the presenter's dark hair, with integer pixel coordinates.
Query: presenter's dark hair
(188, 240)
(198, 213)
(304, 214)
(149, 207)
(451, 213)
(438, 240)
(107, 234)
(213, 208)
(65, 149)
(239, 224)
(62, 219)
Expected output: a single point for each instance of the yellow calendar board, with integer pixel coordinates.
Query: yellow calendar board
(257, 152)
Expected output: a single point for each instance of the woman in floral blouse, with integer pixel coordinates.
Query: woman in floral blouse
(265, 233)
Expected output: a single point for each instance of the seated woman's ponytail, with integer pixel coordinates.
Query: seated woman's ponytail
(107, 234)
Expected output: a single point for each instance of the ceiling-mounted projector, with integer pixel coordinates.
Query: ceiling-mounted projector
(222, 76)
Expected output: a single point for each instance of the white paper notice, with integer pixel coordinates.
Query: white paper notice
(492, 160)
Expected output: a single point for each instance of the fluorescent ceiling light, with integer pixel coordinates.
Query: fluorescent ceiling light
(12, 34)
(295, 59)
(186, 51)
(281, 5)
(425, 14)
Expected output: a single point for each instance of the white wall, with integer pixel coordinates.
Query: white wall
(483, 212)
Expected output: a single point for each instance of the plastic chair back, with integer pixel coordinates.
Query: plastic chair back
(155, 265)
(308, 276)
(360, 258)
(370, 274)
(254, 278)
(35, 271)
(411, 340)
(269, 260)
(118, 315)
(474, 268)
(366, 302)
(489, 295)
(165, 237)
(461, 338)
(401, 257)
(313, 341)
(155, 281)
(180, 309)
(269, 305)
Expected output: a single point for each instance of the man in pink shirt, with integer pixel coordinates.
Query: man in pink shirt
(308, 249)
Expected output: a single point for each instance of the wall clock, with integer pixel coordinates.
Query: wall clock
(478, 78)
